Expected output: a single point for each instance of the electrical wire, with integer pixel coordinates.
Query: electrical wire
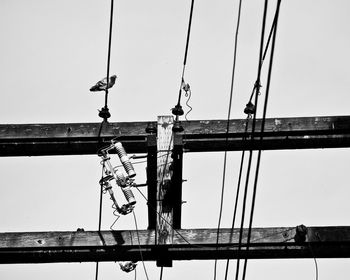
(237, 192)
(262, 131)
(159, 215)
(161, 273)
(138, 240)
(198, 246)
(265, 52)
(142, 161)
(316, 269)
(99, 221)
(186, 52)
(188, 94)
(249, 165)
(186, 49)
(256, 90)
(109, 50)
(315, 261)
(227, 130)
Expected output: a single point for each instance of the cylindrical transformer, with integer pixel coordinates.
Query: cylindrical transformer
(124, 159)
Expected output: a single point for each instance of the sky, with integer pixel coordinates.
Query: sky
(52, 52)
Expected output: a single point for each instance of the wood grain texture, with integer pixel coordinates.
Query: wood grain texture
(165, 146)
(199, 136)
(270, 243)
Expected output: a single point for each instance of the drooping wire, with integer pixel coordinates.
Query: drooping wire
(262, 131)
(139, 243)
(99, 221)
(188, 94)
(109, 50)
(227, 131)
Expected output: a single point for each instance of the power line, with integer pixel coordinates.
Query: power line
(227, 129)
(262, 131)
(256, 90)
(265, 52)
(177, 110)
(108, 81)
(109, 49)
(104, 113)
(257, 87)
(237, 193)
(99, 222)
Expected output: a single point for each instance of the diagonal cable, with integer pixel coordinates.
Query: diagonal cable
(227, 129)
(262, 131)
(257, 88)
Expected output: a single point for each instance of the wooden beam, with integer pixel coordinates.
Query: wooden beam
(152, 156)
(176, 180)
(165, 146)
(91, 246)
(165, 216)
(199, 136)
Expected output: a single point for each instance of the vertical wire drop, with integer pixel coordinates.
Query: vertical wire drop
(99, 222)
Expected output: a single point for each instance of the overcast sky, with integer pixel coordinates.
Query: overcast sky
(52, 52)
